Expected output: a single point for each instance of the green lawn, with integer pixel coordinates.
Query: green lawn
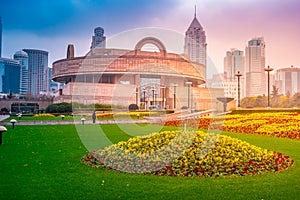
(43, 162)
(69, 117)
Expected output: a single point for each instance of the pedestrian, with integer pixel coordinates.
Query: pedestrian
(94, 117)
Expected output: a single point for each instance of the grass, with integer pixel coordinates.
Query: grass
(43, 162)
(70, 118)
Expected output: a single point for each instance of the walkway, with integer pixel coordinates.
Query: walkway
(57, 122)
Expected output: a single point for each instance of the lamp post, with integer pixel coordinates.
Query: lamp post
(144, 94)
(188, 83)
(163, 96)
(268, 70)
(82, 120)
(174, 93)
(153, 90)
(2, 130)
(13, 121)
(238, 75)
(136, 96)
(155, 98)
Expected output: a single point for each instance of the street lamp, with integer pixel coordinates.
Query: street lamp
(155, 98)
(2, 130)
(136, 96)
(153, 90)
(82, 120)
(13, 121)
(238, 75)
(268, 70)
(174, 93)
(163, 96)
(144, 94)
(188, 83)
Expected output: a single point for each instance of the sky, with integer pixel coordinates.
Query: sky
(52, 25)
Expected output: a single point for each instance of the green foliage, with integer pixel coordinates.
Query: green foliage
(276, 101)
(59, 108)
(248, 102)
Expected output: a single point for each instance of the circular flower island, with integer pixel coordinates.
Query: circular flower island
(188, 154)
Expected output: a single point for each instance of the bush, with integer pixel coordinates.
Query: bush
(133, 107)
(59, 108)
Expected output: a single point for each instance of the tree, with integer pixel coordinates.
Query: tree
(261, 101)
(295, 100)
(248, 102)
(288, 94)
(275, 96)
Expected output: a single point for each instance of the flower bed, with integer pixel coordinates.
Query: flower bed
(132, 114)
(282, 124)
(188, 153)
(43, 115)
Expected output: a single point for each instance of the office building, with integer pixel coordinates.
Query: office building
(0, 37)
(255, 64)
(233, 62)
(9, 76)
(22, 57)
(98, 39)
(287, 80)
(195, 42)
(38, 71)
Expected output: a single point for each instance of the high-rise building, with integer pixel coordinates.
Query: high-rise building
(38, 71)
(9, 76)
(255, 65)
(195, 42)
(287, 80)
(22, 57)
(233, 62)
(0, 37)
(98, 39)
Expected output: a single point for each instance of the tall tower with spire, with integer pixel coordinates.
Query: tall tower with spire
(195, 42)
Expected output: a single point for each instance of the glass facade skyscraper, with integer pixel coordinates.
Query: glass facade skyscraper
(98, 39)
(255, 67)
(9, 76)
(22, 57)
(38, 71)
(195, 42)
(0, 37)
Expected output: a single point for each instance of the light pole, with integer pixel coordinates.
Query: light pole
(163, 96)
(155, 99)
(2, 130)
(136, 96)
(144, 94)
(13, 121)
(238, 75)
(188, 83)
(174, 93)
(268, 70)
(153, 90)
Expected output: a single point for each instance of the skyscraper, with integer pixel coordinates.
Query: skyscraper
(98, 39)
(233, 62)
(287, 80)
(9, 76)
(38, 71)
(195, 42)
(22, 57)
(0, 37)
(255, 65)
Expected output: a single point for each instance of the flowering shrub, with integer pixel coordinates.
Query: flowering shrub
(188, 153)
(282, 124)
(43, 115)
(124, 114)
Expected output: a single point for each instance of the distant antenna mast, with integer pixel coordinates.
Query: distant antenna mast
(195, 10)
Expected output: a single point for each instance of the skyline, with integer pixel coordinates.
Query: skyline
(51, 26)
